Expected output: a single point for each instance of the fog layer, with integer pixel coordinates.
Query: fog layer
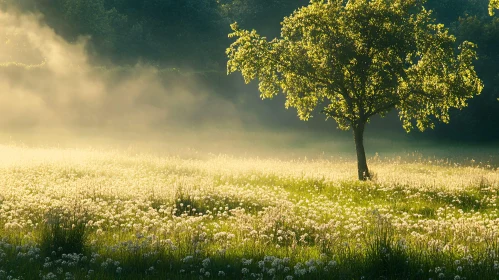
(51, 93)
(46, 82)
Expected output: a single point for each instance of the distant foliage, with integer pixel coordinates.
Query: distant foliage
(263, 15)
(169, 33)
(469, 20)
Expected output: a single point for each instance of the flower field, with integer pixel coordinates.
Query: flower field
(96, 214)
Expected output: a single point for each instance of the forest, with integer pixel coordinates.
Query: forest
(190, 37)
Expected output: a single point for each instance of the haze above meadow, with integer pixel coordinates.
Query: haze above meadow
(61, 84)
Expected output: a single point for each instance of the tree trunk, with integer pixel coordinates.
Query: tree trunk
(358, 133)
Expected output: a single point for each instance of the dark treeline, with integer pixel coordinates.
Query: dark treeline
(192, 35)
(167, 33)
(469, 20)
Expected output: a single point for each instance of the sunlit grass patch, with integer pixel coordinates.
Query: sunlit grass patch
(211, 205)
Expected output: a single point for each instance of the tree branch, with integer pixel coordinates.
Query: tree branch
(384, 108)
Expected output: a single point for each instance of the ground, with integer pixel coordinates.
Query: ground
(123, 214)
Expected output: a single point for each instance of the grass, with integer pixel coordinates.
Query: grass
(62, 233)
(89, 214)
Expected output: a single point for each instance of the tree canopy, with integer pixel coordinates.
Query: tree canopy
(494, 4)
(358, 59)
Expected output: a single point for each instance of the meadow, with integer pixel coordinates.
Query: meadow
(122, 214)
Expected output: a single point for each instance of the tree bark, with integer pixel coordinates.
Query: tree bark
(358, 133)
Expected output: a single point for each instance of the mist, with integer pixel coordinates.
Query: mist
(49, 83)
(51, 93)
(49, 86)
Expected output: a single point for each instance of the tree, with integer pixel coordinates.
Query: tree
(358, 59)
(493, 4)
(263, 15)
